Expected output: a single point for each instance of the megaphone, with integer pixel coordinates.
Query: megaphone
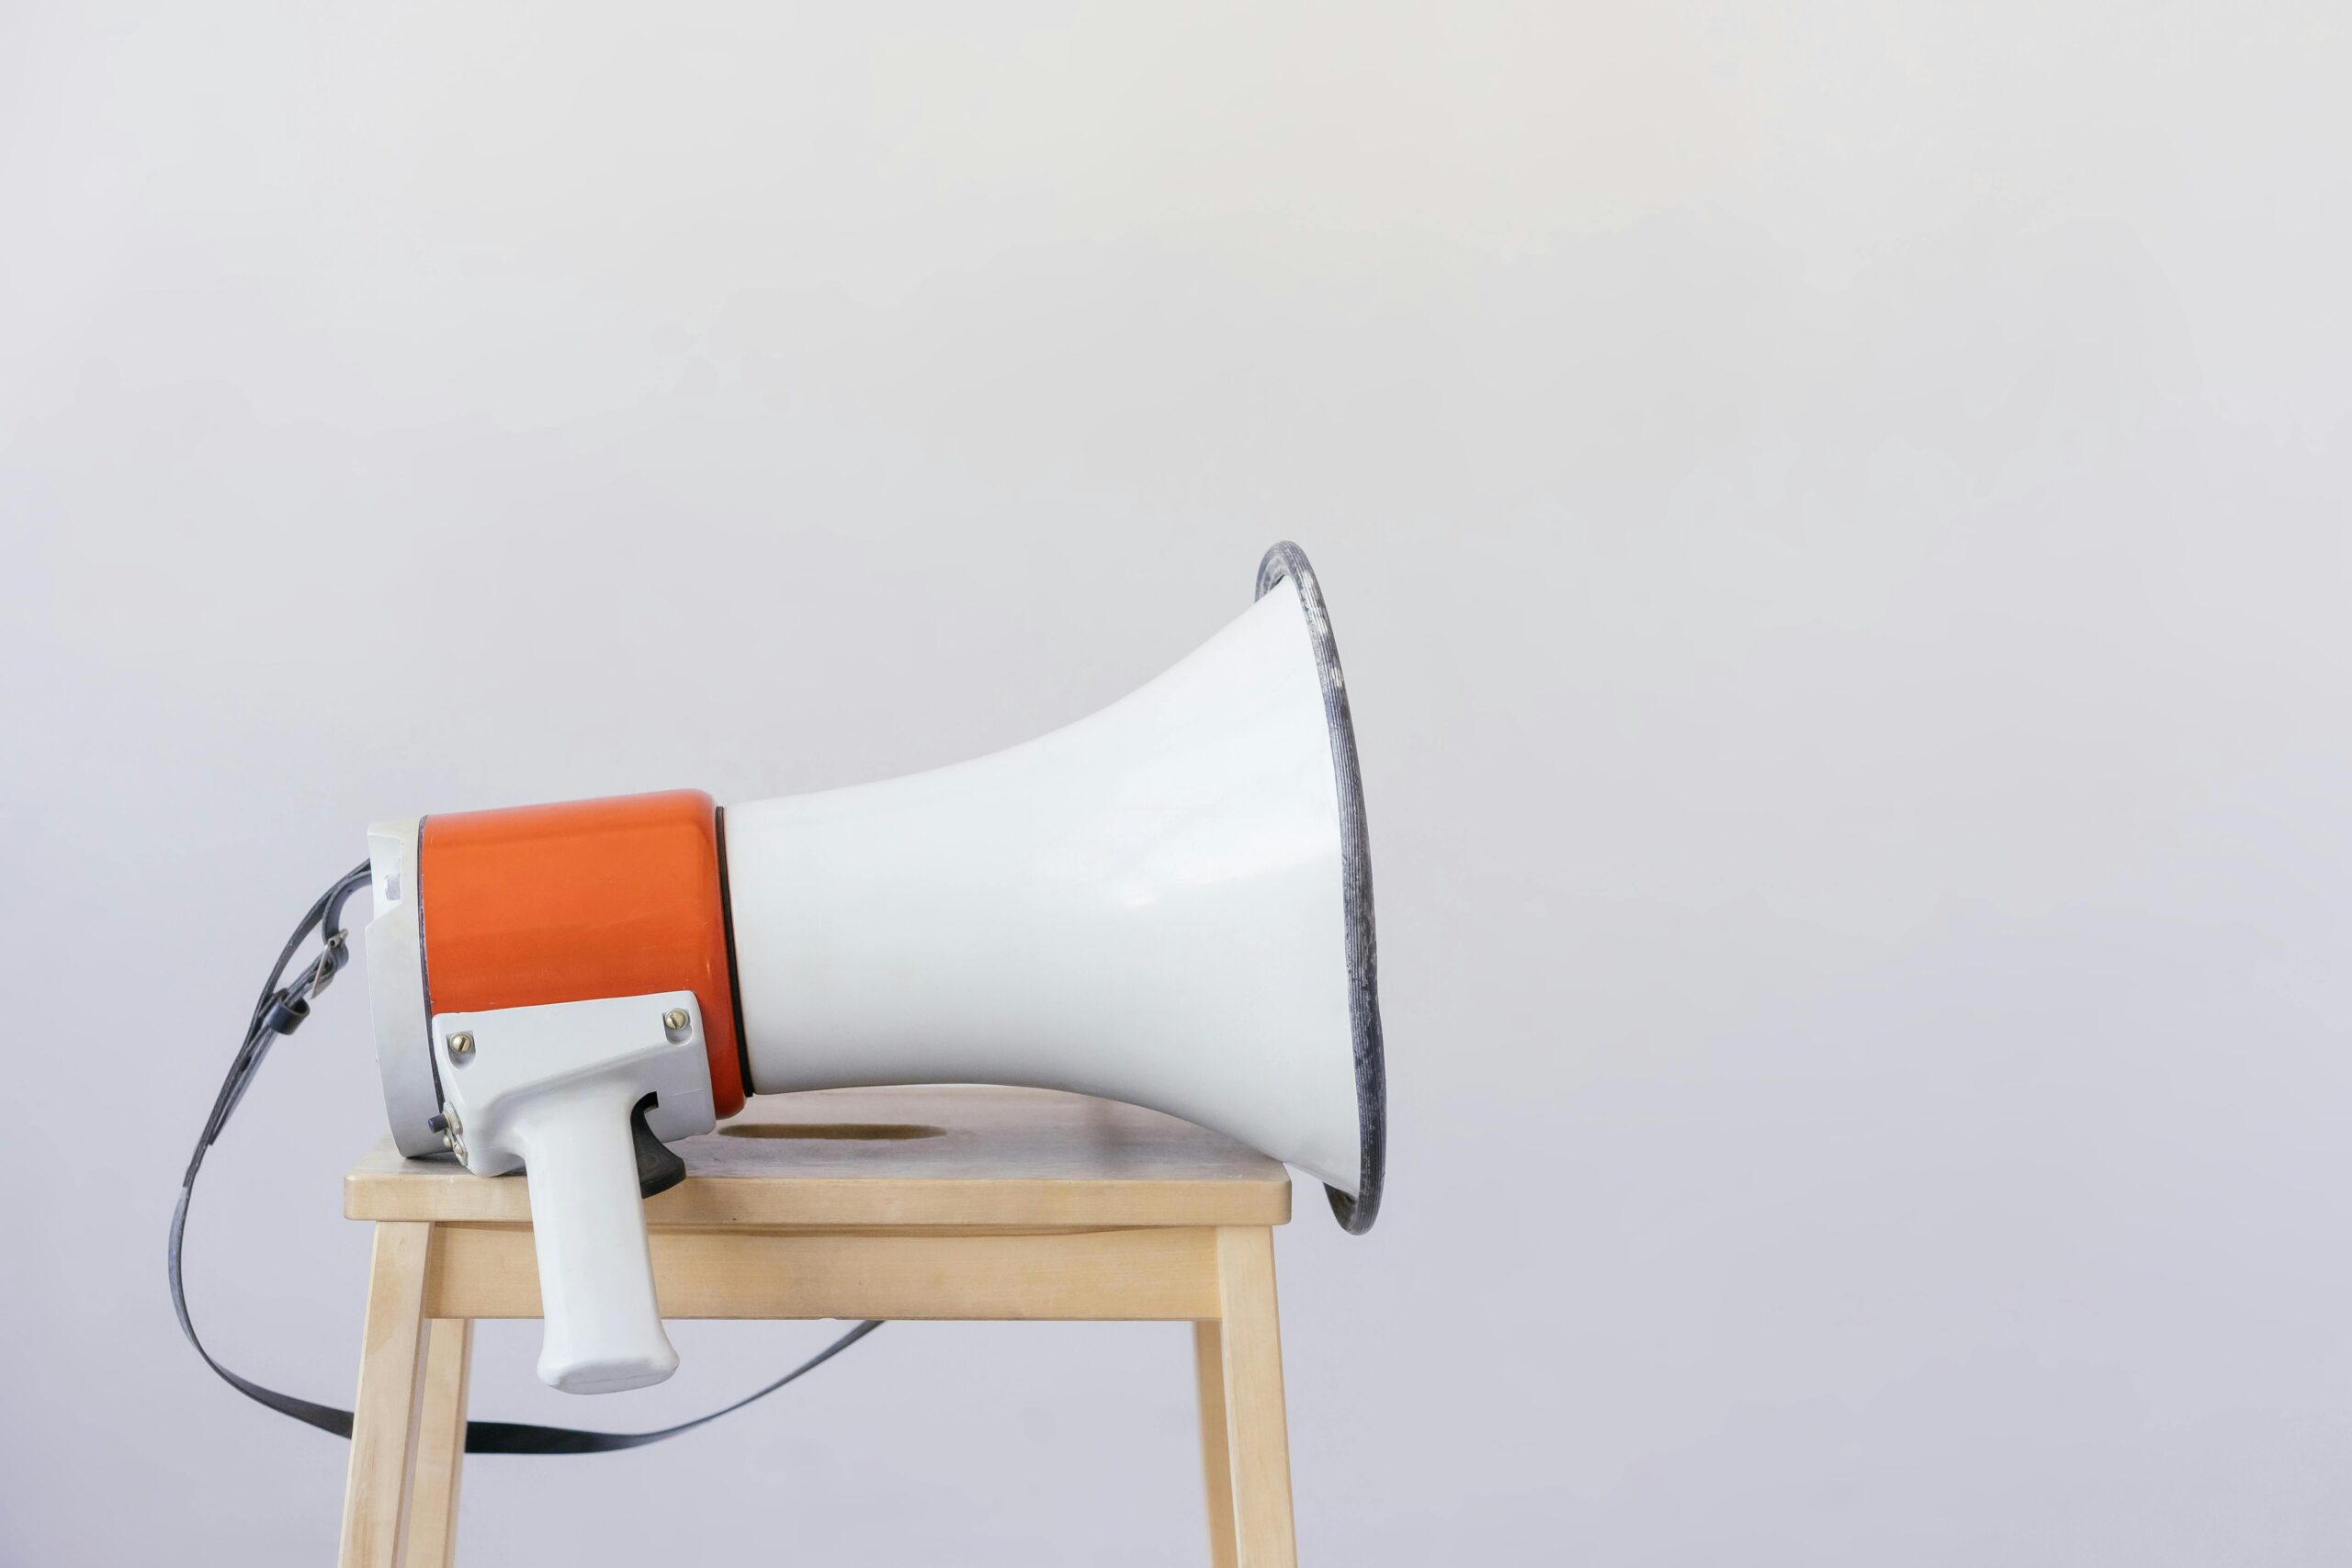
(1168, 903)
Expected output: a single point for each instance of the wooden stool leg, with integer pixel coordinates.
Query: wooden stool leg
(1256, 1429)
(1217, 1461)
(392, 1393)
(441, 1443)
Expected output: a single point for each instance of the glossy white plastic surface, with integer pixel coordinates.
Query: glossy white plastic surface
(550, 1088)
(604, 1328)
(1145, 906)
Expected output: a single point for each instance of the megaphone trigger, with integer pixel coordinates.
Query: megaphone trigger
(659, 1167)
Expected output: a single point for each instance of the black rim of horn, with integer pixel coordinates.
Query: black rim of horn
(1287, 561)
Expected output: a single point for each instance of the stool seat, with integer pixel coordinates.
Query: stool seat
(930, 1156)
(960, 1202)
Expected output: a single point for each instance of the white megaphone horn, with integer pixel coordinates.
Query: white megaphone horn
(1168, 903)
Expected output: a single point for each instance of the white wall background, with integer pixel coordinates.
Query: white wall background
(1836, 518)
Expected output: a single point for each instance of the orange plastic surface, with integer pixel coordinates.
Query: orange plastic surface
(583, 899)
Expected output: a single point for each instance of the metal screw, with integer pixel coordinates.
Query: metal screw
(461, 1043)
(676, 1019)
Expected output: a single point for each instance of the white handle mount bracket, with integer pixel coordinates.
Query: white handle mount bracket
(550, 1090)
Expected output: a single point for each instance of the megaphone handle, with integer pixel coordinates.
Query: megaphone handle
(604, 1326)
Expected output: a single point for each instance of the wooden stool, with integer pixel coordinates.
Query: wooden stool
(958, 1202)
